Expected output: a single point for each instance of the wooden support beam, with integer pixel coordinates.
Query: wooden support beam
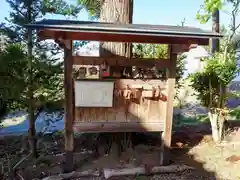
(167, 133)
(69, 107)
(118, 37)
(134, 83)
(111, 126)
(121, 61)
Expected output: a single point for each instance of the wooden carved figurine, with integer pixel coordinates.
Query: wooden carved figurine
(75, 73)
(158, 92)
(93, 70)
(104, 69)
(82, 71)
(136, 95)
(127, 92)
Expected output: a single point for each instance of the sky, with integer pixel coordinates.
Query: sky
(166, 12)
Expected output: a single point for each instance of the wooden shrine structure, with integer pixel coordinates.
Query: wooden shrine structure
(111, 102)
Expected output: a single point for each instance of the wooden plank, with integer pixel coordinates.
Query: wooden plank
(69, 106)
(135, 110)
(110, 37)
(121, 61)
(94, 127)
(134, 83)
(167, 133)
(138, 83)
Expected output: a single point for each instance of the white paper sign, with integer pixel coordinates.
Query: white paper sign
(94, 93)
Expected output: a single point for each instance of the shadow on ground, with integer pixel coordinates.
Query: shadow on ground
(146, 149)
(182, 141)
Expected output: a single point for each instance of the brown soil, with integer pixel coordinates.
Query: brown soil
(192, 147)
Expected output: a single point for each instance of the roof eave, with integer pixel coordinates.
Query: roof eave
(143, 33)
(122, 37)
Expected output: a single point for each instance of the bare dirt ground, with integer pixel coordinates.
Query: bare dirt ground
(192, 147)
(222, 160)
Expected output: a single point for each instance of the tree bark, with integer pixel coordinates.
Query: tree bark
(214, 125)
(108, 173)
(32, 131)
(215, 28)
(119, 12)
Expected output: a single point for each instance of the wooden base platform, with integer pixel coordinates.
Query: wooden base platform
(90, 127)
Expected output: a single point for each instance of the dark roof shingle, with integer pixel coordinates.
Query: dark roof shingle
(75, 26)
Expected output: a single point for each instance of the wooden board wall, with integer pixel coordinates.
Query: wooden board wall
(125, 115)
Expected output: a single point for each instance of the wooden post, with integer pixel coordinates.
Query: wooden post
(69, 107)
(167, 133)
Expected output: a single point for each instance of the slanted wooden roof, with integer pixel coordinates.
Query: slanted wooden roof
(99, 31)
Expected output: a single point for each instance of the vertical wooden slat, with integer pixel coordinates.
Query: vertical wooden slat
(69, 107)
(168, 118)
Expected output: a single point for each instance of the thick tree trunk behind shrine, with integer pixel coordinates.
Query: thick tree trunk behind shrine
(120, 12)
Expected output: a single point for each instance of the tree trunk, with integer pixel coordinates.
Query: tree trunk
(108, 173)
(31, 132)
(214, 125)
(121, 12)
(215, 28)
